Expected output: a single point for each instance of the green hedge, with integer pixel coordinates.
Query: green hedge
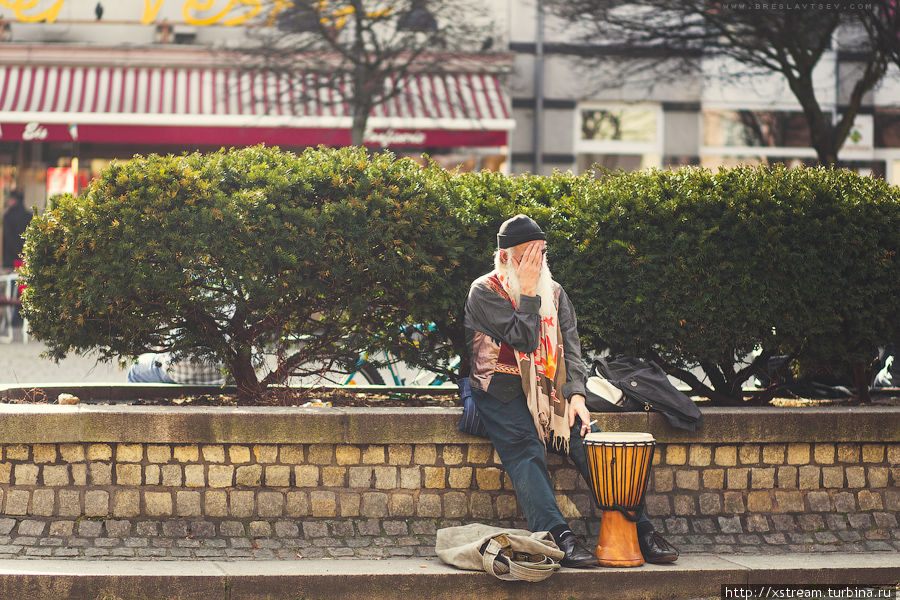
(691, 267)
(233, 255)
(238, 251)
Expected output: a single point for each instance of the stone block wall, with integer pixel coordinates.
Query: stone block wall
(288, 483)
(792, 497)
(245, 500)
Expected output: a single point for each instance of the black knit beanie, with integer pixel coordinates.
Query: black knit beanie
(518, 230)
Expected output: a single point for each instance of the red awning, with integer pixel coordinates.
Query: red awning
(216, 106)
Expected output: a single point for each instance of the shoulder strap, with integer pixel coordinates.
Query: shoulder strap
(502, 567)
(600, 367)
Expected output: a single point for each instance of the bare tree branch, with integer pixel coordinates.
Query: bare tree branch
(790, 43)
(362, 52)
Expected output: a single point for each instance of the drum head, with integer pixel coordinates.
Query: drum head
(618, 437)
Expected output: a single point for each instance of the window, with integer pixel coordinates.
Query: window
(710, 161)
(752, 128)
(618, 124)
(887, 128)
(619, 136)
(614, 162)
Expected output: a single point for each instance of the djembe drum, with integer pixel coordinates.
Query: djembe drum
(619, 465)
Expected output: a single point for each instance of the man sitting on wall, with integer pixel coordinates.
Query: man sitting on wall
(528, 382)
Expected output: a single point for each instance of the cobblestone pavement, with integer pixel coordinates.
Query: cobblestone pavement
(21, 363)
(292, 539)
(204, 539)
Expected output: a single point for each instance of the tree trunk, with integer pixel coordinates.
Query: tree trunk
(823, 143)
(720, 395)
(249, 388)
(822, 133)
(362, 104)
(821, 129)
(358, 129)
(362, 96)
(827, 156)
(719, 399)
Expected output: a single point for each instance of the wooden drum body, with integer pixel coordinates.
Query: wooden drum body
(619, 464)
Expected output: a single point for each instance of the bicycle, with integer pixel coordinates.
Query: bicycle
(366, 372)
(378, 366)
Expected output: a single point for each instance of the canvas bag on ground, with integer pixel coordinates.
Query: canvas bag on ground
(507, 554)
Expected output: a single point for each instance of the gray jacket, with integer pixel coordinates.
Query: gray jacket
(490, 319)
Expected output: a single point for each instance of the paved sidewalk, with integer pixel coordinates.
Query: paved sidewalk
(22, 364)
(696, 576)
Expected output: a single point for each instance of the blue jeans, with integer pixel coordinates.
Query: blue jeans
(524, 457)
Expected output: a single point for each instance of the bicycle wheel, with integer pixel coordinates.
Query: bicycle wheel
(423, 378)
(419, 377)
(365, 374)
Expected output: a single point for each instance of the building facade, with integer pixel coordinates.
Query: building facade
(569, 118)
(83, 83)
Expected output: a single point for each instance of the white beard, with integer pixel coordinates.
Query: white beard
(544, 285)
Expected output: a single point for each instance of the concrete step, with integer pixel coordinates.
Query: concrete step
(693, 576)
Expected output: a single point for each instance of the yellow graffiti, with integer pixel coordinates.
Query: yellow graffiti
(26, 11)
(151, 9)
(280, 5)
(338, 18)
(204, 5)
(20, 6)
(381, 14)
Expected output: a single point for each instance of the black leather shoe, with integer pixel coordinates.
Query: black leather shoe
(576, 556)
(656, 549)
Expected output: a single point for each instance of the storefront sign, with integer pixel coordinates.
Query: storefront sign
(392, 137)
(37, 132)
(33, 131)
(862, 133)
(244, 136)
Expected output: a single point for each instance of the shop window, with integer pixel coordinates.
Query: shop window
(869, 168)
(618, 124)
(875, 168)
(714, 162)
(464, 162)
(614, 162)
(676, 162)
(887, 128)
(7, 177)
(618, 136)
(786, 129)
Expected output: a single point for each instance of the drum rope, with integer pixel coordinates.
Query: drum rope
(628, 500)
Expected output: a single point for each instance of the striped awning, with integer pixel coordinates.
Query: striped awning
(206, 105)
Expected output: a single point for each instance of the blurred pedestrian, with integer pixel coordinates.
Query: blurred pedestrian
(15, 221)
